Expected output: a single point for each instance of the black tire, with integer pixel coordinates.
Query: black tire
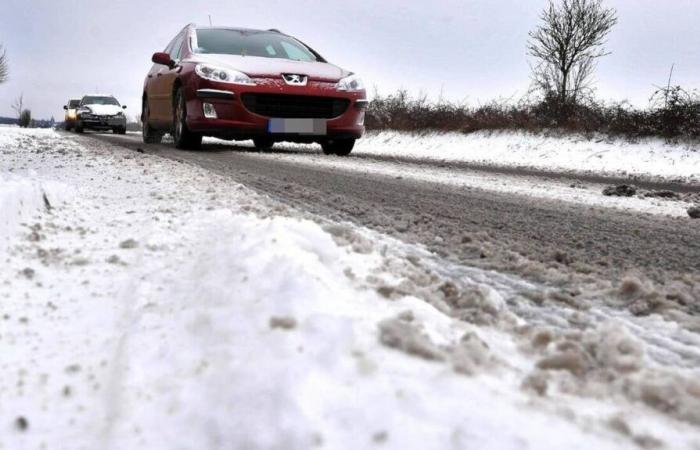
(68, 127)
(79, 127)
(340, 147)
(264, 144)
(119, 130)
(149, 134)
(184, 139)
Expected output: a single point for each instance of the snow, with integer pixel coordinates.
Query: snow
(648, 157)
(168, 307)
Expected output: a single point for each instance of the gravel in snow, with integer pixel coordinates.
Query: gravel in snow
(169, 307)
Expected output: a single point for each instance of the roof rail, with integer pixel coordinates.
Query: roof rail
(275, 30)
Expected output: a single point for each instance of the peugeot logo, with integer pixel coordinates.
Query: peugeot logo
(294, 79)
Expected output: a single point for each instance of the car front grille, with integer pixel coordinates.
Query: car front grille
(295, 106)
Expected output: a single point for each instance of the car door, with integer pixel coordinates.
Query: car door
(161, 83)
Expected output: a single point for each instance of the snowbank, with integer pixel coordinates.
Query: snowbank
(167, 307)
(652, 158)
(20, 198)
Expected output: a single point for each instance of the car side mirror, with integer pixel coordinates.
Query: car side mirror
(162, 59)
(123, 106)
(65, 107)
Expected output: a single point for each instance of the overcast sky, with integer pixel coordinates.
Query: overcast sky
(472, 50)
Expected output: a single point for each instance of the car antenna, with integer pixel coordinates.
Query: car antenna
(210, 21)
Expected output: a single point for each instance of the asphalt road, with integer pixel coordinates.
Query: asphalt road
(545, 240)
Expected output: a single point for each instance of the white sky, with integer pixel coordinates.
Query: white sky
(472, 50)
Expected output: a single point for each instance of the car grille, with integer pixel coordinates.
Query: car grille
(295, 106)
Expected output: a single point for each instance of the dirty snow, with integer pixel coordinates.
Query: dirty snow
(154, 305)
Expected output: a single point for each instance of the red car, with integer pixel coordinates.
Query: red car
(240, 84)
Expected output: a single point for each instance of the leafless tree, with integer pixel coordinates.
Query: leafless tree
(566, 45)
(4, 70)
(18, 105)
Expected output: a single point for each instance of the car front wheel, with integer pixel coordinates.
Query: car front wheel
(79, 127)
(150, 135)
(340, 147)
(183, 137)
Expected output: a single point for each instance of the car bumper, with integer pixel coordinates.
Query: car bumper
(235, 120)
(103, 122)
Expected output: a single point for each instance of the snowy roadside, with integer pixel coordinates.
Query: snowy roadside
(151, 304)
(647, 158)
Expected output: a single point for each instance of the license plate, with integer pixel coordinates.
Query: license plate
(297, 126)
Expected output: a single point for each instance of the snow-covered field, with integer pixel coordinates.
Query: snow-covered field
(648, 158)
(146, 303)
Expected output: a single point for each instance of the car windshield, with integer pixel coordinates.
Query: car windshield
(100, 101)
(252, 43)
(74, 103)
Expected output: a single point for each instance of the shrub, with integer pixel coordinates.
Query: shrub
(673, 114)
(25, 119)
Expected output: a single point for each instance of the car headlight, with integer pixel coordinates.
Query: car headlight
(120, 114)
(351, 83)
(222, 75)
(84, 110)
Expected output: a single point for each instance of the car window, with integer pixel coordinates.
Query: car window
(95, 100)
(251, 43)
(176, 49)
(294, 52)
(74, 103)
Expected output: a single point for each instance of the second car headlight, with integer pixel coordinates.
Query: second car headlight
(222, 75)
(351, 83)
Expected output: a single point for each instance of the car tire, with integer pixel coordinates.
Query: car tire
(264, 144)
(67, 127)
(182, 136)
(148, 133)
(79, 127)
(119, 130)
(340, 147)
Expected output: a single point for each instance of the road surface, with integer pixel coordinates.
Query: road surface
(559, 243)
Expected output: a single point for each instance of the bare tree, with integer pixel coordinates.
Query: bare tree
(18, 105)
(4, 70)
(566, 46)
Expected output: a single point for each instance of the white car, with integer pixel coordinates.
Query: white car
(100, 112)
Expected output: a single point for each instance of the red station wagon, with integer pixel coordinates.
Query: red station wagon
(240, 84)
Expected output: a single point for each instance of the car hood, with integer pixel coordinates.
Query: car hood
(255, 66)
(104, 110)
